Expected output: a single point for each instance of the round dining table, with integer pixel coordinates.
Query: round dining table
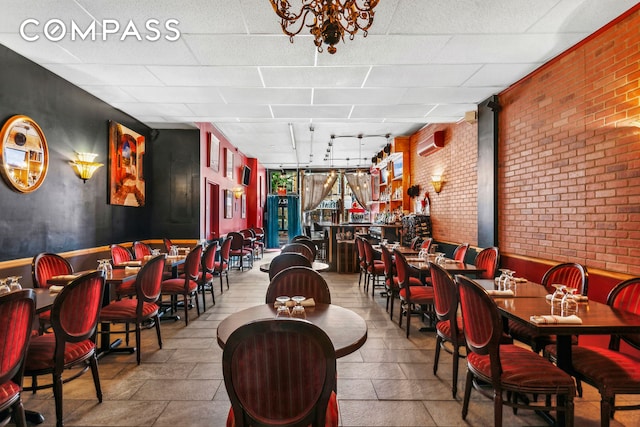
(346, 329)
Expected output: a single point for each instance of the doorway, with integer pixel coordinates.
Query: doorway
(212, 210)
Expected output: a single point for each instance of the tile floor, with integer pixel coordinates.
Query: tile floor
(388, 382)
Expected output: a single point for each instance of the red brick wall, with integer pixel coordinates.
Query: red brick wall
(569, 155)
(453, 211)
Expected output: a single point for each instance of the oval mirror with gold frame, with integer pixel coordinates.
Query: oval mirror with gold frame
(24, 155)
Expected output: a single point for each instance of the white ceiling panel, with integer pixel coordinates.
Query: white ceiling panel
(422, 62)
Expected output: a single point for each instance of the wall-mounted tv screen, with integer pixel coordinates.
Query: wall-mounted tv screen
(397, 168)
(246, 175)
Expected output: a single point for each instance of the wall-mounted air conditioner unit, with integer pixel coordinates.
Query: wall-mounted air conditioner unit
(432, 143)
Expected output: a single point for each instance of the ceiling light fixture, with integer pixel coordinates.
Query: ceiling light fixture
(293, 138)
(328, 20)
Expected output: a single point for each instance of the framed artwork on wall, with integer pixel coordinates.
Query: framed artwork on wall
(243, 206)
(214, 151)
(228, 204)
(229, 161)
(126, 178)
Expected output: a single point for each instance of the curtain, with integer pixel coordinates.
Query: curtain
(293, 216)
(272, 222)
(360, 184)
(315, 187)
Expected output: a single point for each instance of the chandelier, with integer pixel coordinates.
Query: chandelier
(328, 20)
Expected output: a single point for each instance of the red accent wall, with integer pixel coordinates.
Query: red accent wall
(254, 214)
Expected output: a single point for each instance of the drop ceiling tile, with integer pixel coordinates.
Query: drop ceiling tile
(358, 96)
(222, 16)
(448, 95)
(452, 110)
(420, 75)
(234, 95)
(176, 94)
(15, 12)
(40, 51)
(153, 109)
(329, 77)
(109, 94)
(176, 75)
(105, 74)
(248, 50)
(470, 17)
(396, 111)
(224, 110)
(500, 74)
(303, 111)
(581, 17)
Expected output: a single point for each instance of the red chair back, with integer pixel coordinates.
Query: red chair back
(460, 252)
(140, 250)
(209, 258)
(279, 372)
(192, 264)
(368, 253)
(299, 281)
(120, 254)
(445, 296)
(362, 258)
(488, 259)
(167, 244)
(46, 265)
(625, 296)
(286, 260)
(237, 240)
(570, 274)
(75, 311)
(426, 244)
(389, 271)
(225, 250)
(402, 269)
(16, 316)
(149, 281)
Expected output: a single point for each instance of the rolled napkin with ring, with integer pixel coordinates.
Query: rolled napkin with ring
(579, 298)
(550, 319)
(309, 302)
(54, 289)
(131, 269)
(497, 293)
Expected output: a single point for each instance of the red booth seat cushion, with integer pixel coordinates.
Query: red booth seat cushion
(126, 309)
(8, 390)
(331, 416)
(607, 367)
(522, 368)
(42, 347)
(418, 293)
(177, 285)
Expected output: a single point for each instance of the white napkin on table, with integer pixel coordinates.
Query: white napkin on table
(579, 298)
(129, 270)
(554, 319)
(309, 302)
(497, 293)
(132, 263)
(54, 289)
(66, 276)
(515, 279)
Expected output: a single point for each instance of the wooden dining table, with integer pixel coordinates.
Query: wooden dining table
(451, 266)
(346, 329)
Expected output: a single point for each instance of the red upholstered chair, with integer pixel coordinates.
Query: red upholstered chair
(375, 268)
(221, 268)
(280, 372)
(167, 244)
(298, 248)
(44, 266)
(74, 318)
(286, 260)
(186, 285)
(249, 241)
(391, 283)
(303, 281)
(239, 251)
(207, 270)
(426, 244)
(507, 368)
(16, 314)
(413, 295)
(144, 306)
(312, 247)
(572, 275)
(258, 241)
(489, 259)
(460, 252)
(449, 325)
(362, 260)
(609, 370)
(120, 254)
(140, 250)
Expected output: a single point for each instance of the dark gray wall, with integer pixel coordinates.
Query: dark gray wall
(63, 214)
(175, 194)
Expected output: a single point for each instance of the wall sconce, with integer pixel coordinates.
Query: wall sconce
(85, 166)
(436, 181)
(237, 192)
